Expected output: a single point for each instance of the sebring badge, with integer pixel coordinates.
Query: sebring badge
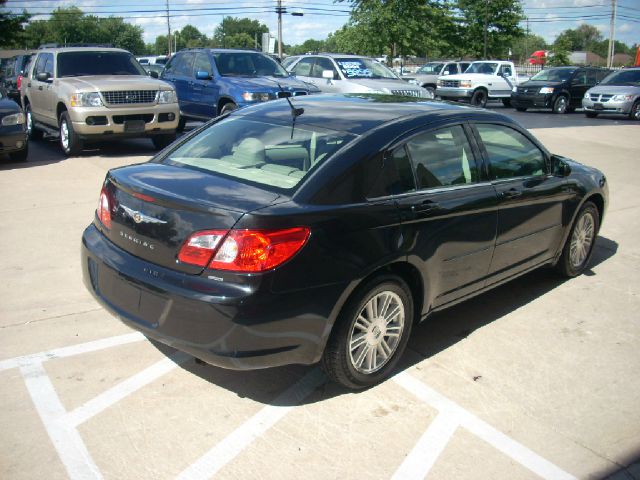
(140, 217)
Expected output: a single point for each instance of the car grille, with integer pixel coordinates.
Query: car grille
(130, 96)
(289, 94)
(451, 83)
(528, 90)
(600, 97)
(407, 93)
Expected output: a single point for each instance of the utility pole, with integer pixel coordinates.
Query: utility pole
(612, 27)
(168, 29)
(279, 11)
(526, 43)
(486, 26)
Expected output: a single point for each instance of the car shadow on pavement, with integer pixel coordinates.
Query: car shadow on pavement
(439, 332)
(627, 469)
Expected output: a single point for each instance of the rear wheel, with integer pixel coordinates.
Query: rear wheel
(69, 140)
(182, 122)
(370, 334)
(578, 248)
(20, 156)
(634, 114)
(431, 89)
(479, 98)
(560, 105)
(161, 141)
(591, 114)
(33, 133)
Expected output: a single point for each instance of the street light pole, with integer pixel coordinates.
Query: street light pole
(168, 29)
(279, 9)
(612, 27)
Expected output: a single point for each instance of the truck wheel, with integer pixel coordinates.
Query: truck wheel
(69, 140)
(506, 102)
(33, 133)
(479, 98)
(431, 89)
(560, 105)
(161, 141)
(634, 114)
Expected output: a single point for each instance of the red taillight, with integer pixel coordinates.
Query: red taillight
(19, 81)
(243, 250)
(104, 208)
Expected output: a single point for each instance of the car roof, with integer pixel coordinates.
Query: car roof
(222, 50)
(359, 113)
(80, 49)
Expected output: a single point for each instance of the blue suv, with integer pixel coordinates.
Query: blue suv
(210, 82)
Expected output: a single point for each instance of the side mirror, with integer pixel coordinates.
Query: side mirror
(446, 72)
(153, 74)
(202, 75)
(559, 167)
(328, 74)
(43, 76)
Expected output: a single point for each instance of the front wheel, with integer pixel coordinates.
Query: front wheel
(69, 140)
(578, 248)
(371, 334)
(634, 114)
(228, 107)
(32, 132)
(479, 98)
(560, 105)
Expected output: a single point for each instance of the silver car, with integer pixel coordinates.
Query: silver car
(339, 73)
(618, 93)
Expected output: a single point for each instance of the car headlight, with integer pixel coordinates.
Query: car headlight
(587, 95)
(255, 97)
(546, 90)
(438, 83)
(514, 89)
(622, 98)
(89, 99)
(167, 96)
(13, 119)
(465, 83)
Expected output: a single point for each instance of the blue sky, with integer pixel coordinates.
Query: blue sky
(547, 18)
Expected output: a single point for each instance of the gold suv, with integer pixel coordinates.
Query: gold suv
(92, 93)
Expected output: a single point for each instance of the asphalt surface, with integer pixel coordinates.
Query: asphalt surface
(538, 378)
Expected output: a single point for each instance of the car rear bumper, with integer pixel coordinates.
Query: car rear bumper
(229, 325)
(532, 101)
(157, 119)
(623, 107)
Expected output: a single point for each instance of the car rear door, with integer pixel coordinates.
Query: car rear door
(530, 199)
(449, 221)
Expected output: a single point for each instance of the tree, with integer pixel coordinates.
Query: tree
(191, 37)
(11, 26)
(229, 32)
(523, 47)
(502, 19)
(560, 52)
(584, 38)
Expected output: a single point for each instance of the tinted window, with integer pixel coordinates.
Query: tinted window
(182, 64)
(629, 77)
(303, 67)
(288, 61)
(580, 78)
(442, 157)
(41, 62)
(464, 66)
(321, 65)
(554, 74)
(511, 154)
(452, 68)
(506, 70)
(75, 64)
(487, 68)
(430, 69)
(390, 176)
(248, 64)
(201, 64)
(601, 74)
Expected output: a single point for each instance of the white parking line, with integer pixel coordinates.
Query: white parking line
(463, 418)
(225, 451)
(65, 438)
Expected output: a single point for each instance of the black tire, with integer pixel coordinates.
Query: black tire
(338, 361)
(69, 141)
(479, 98)
(521, 109)
(33, 133)
(634, 114)
(431, 88)
(590, 114)
(182, 122)
(161, 141)
(506, 102)
(572, 268)
(228, 107)
(560, 104)
(20, 156)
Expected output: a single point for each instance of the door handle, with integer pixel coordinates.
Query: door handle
(511, 193)
(426, 206)
(40, 87)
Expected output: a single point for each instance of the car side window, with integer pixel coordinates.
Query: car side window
(464, 66)
(600, 74)
(592, 77)
(321, 65)
(580, 78)
(390, 174)
(48, 64)
(510, 153)
(442, 157)
(182, 64)
(506, 71)
(39, 67)
(303, 67)
(201, 64)
(452, 68)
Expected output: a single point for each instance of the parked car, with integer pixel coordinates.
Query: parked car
(91, 93)
(212, 82)
(319, 232)
(153, 60)
(13, 130)
(480, 82)
(15, 69)
(618, 93)
(560, 88)
(427, 75)
(156, 68)
(339, 73)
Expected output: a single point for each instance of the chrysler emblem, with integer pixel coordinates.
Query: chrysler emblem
(137, 217)
(140, 217)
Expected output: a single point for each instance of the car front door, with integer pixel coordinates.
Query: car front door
(506, 81)
(530, 200)
(329, 85)
(449, 221)
(179, 72)
(302, 70)
(37, 89)
(206, 91)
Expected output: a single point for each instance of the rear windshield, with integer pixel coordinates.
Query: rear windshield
(266, 154)
(247, 64)
(629, 78)
(79, 64)
(363, 68)
(554, 74)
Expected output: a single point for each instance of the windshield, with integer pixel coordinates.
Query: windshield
(554, 74)
(79, 64)
(623, 77)
(248, 64)
(487, 68)
(433, 68)
(364, 68)
(266, 154)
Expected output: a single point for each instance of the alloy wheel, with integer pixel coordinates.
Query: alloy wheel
(64, 134)
(581, 240)
(561, 105)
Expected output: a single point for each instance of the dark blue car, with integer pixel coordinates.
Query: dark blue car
(210, 82)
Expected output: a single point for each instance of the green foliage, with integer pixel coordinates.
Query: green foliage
(583, 38)
(502, 18)
(560, 52)
(523, 47)
(11, 27)
(236, 32)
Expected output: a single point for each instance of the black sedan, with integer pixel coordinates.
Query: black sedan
(13, 130)
(319, 231)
